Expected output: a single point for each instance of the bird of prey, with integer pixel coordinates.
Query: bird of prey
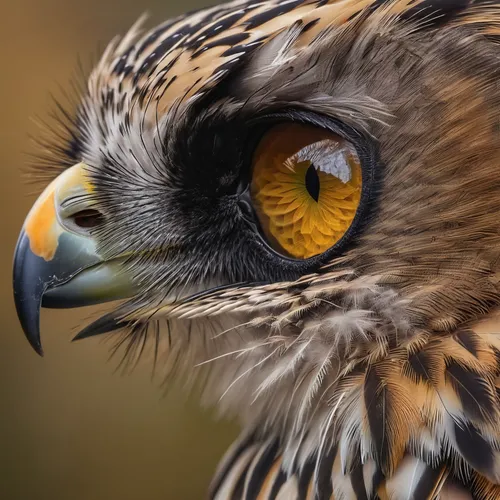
(297, 203)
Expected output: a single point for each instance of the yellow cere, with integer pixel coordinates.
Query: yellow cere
(42, 226)
(306, 188)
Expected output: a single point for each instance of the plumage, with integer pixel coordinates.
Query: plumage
(369, 371)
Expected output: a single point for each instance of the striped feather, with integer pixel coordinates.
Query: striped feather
(430, 419)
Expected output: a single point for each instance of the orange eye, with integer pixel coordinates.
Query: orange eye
(306, 188)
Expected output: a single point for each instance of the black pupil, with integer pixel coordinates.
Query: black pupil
(312, 182)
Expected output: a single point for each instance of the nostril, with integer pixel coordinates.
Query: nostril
(87, 219)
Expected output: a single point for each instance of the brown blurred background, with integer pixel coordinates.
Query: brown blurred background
(71, 428)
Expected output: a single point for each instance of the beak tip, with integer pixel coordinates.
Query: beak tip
(37, 346)
(30, 325)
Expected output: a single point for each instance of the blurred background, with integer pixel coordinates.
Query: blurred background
(70, 427)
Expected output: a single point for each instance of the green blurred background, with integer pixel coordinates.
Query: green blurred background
(71, 428)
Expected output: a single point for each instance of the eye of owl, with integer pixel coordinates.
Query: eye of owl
(310, 186)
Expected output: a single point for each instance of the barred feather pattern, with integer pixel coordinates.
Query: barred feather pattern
(421, 412)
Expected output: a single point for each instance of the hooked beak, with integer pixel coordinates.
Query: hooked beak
(56, 261)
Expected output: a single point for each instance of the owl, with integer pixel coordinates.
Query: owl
(295, 205)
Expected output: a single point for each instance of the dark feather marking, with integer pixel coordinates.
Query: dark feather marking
(268, 15)
(305, 476)
(279, 481)
(427, 483)
(222, 474)
(122, 62)
(467, 339)
(324, 487)
(375, 395)
(259, 472)
(472, 390)
(215, 29)
(378, 479)
(419, 364)
(237, 492)
(230, 41)
(474, 448)
(437, 12)
(163, 48)
(310, 25)
(157, 33)
(358, 483)
(127, 70)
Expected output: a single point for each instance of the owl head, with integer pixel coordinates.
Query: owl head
(296, 202)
